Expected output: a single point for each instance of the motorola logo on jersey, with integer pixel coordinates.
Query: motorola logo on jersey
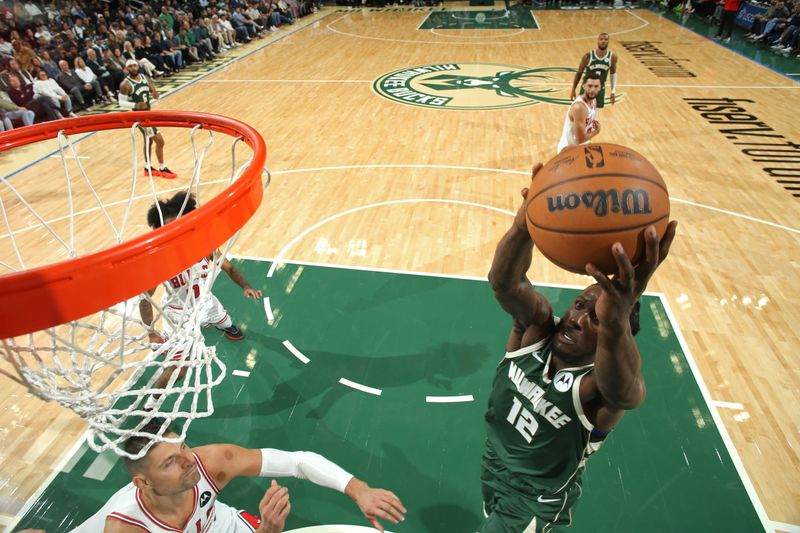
(204, 498)
(476, 86)
(594, 156)
(563, 381)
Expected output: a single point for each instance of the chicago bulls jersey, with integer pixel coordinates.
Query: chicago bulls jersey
(184, 289)
(128, 506)
(568, 133)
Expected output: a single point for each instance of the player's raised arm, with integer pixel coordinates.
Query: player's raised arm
(618, 362)
(227, 461)
(577, 79)
(509, 281)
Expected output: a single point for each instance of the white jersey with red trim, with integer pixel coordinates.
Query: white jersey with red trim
(208, 516)
(568, 133)
(184, 289)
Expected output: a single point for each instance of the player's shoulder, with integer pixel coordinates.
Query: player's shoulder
(118, 525)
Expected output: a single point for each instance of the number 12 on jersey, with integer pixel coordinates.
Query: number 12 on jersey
(522, 420)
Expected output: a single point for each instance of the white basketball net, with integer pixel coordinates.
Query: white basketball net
(104, 366)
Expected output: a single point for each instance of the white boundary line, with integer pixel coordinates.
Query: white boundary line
(783, 526)
(565, 84)
(297, 353)
(446, 167)
(283, 81)
(723, 431)
(481, 279)
(449, 399)
(322, 222)
(241, 373)
(734, 214)
(329, 27)
(358, 386)
(499, 36)
(728, 405)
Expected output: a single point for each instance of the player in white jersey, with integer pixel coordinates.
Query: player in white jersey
(174, 489)
(183, 289)
(581, 124)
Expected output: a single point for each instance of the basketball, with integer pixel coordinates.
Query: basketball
(587, 198)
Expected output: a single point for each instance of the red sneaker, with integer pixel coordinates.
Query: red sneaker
(165, 173)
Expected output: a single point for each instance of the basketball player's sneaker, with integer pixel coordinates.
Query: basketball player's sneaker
(233, 333)
(151, 403)
(165, 173)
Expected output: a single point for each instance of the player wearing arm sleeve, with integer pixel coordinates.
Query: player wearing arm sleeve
(174, 488)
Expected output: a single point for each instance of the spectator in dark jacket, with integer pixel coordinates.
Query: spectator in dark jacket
(104, 77)
(22, 95)
(72, 84)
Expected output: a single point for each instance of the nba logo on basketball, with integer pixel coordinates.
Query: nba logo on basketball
(594, 156)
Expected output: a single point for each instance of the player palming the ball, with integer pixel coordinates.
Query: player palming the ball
(563, 384)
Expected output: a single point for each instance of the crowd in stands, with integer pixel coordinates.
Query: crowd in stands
(778, 27)
(65, 56)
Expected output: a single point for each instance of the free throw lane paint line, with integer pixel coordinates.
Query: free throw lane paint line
(449, 399)
(297, 353)
(101, 466)
(358, 386)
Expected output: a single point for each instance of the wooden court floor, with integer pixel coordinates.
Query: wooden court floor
(365, 180)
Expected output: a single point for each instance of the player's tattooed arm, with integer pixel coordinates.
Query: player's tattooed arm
(238, 278)
(146, 314)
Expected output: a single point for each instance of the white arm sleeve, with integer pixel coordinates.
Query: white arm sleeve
(126, 102)
(303, 465)
(613, 83)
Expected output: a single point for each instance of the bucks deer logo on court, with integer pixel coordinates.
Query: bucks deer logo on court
(594, 156)
(476, 86)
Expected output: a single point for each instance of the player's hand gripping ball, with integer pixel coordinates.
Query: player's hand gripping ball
(590, 196)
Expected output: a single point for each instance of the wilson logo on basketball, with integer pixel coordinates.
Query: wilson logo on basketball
(476, 85)
(628, 202)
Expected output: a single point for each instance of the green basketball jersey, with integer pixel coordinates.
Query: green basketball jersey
(141, 90)
(599, 64)
(536, 426)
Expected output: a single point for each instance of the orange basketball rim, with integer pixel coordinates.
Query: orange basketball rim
(55, 294)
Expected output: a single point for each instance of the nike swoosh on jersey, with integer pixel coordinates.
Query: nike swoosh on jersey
(548, 500)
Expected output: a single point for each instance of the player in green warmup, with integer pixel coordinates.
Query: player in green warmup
(603, 61)
(137, 92)
(562, 385)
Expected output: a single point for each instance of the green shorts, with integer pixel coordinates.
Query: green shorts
(511, 506)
